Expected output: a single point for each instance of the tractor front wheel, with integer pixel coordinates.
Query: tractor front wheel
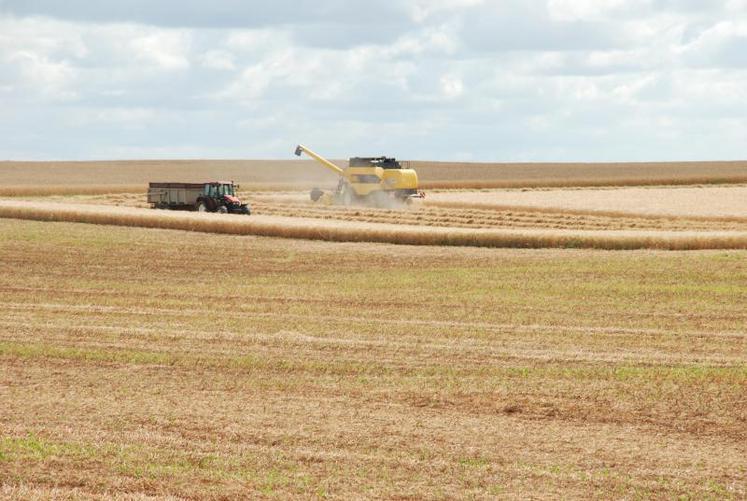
(222, 209)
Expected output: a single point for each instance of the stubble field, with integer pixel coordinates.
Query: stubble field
(141, 362)
(158, 362)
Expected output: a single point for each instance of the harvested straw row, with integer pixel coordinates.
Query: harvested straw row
(342, 231)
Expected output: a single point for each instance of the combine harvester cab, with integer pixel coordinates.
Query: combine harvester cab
(214, 196)
(377, 181)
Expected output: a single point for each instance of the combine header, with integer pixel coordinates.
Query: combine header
(377, 181)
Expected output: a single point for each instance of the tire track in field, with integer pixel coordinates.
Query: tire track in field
(386, 352)
(223, 298)
(440, 324)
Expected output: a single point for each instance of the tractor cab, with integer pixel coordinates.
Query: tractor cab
(219, 190)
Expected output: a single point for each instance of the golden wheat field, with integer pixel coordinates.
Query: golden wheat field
(701, 201)
(45, 178)
(526, 332)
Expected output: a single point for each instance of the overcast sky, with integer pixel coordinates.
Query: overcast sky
(515, 80)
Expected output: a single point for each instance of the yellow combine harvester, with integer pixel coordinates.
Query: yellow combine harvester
(377, 181)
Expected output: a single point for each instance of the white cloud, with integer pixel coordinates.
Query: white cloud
(421, 10)
(571, 10)
(739, 6)
(436, 40)
(516, 79)
(254, 41)
(48, 78)
(168, 50)
(723, 44)
(451, 86)
(130, 117)
(218, 60)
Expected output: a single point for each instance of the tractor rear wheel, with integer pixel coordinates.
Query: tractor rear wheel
(201, 207)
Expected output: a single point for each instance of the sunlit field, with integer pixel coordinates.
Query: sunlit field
(162, 362)
(551, 334)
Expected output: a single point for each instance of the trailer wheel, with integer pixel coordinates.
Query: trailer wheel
(201, 207)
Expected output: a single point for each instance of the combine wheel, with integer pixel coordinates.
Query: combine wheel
(380, 199)
(348, 196)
